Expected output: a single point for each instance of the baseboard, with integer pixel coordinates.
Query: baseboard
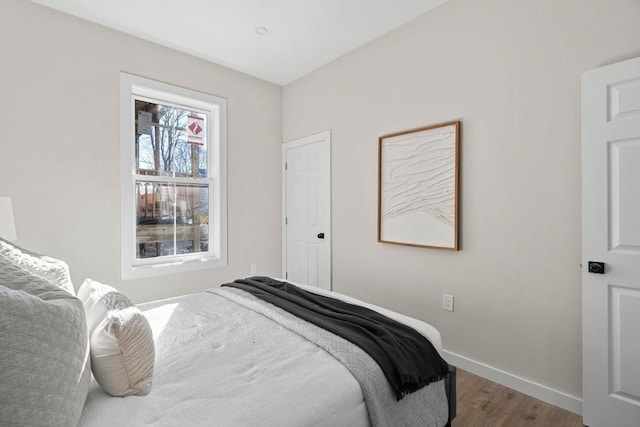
(538, 391)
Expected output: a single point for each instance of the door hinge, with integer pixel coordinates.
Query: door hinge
(286, 220)
(286, 275)
(286, 165)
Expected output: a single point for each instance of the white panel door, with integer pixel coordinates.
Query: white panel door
(307, 210)
(611, 234)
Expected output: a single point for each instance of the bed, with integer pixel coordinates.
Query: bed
(221, 358)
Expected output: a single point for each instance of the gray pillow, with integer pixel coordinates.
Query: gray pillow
(44, 356)
(42, 266)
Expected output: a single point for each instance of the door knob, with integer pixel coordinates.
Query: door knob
(596, 267)
(320, 235)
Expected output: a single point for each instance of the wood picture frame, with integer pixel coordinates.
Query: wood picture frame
(418, 181)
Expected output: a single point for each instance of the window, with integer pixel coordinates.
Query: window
(173, 148)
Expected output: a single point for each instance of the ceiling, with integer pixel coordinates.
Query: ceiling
(301, 35)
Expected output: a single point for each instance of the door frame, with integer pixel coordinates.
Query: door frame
(323, 138)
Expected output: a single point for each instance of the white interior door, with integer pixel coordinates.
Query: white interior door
(611, 234)
(307, 210)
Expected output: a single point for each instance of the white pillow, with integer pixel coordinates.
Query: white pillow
(45, 267)
(122, 347)
(44, 351)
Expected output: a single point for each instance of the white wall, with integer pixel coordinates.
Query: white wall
(510, 71)
(59, 146)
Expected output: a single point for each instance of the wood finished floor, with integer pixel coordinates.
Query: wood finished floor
(482, 403)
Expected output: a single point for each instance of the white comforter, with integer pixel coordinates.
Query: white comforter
(217, 365)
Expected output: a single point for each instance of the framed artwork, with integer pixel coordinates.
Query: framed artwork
(418, 187)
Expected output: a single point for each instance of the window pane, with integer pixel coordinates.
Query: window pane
(172, 219)
(170, 141)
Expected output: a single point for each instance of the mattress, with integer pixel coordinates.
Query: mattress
(219, 364)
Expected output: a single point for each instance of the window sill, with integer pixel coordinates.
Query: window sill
(129, 272)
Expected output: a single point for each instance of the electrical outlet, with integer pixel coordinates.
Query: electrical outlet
(447, 302)
(254, 268)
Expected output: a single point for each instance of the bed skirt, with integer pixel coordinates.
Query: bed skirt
(450, 390)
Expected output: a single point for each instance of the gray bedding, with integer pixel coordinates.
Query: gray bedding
(427, 407)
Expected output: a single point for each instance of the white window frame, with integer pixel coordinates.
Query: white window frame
(215, 108)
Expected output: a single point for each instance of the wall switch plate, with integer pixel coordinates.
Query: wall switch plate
(447, 302)
(254, 268)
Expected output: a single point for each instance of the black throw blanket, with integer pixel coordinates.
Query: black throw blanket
(408, 359)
